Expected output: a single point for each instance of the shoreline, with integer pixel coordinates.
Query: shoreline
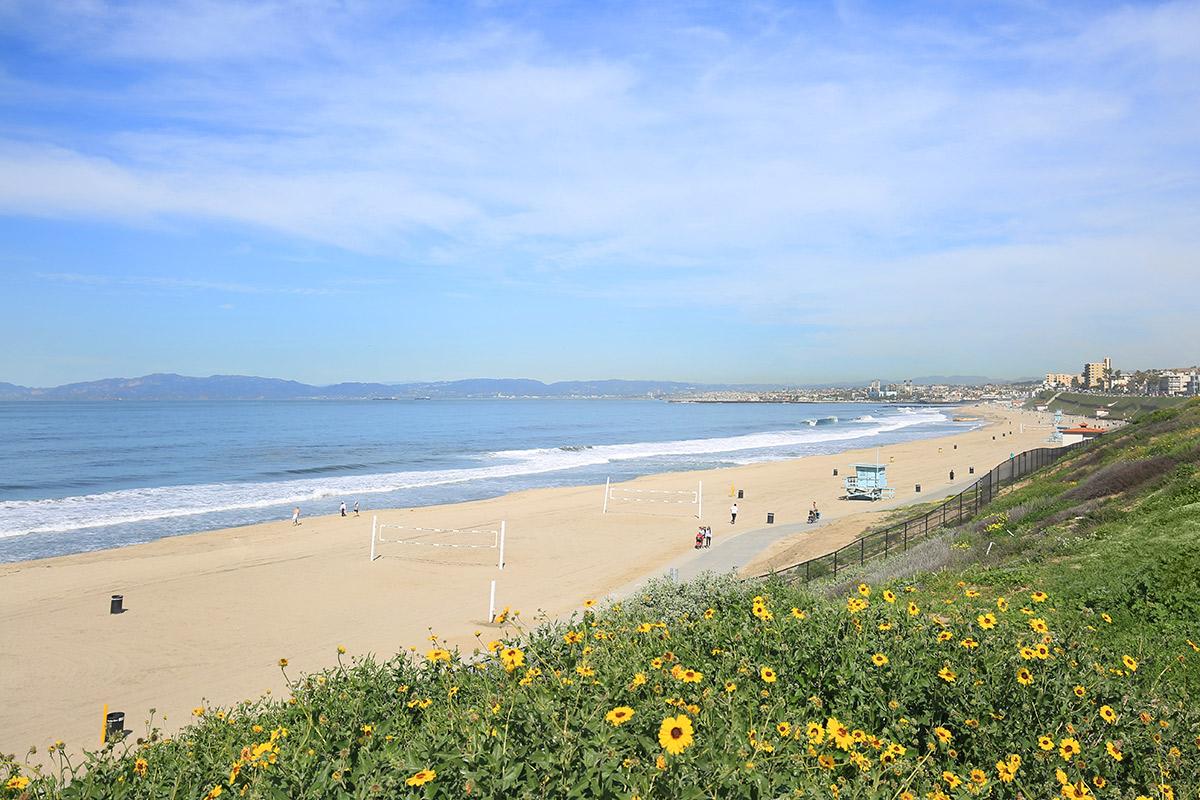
(210, 613)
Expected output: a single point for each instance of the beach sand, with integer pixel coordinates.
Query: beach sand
(210, 614)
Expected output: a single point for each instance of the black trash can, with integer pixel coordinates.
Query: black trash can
(918, 487)
(971, 470)
(114, 725)
(741, 495)
(770, 517)
(116, 604)
(835, 472)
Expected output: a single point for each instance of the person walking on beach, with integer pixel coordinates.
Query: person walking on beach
(707, 536)
(733, 509)
(356, 508)
(343, 508)
(296, 515)
(951, 476)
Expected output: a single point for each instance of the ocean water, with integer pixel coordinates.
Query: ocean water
(86, 476)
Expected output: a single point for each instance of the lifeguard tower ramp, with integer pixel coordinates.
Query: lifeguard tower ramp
(869, 482)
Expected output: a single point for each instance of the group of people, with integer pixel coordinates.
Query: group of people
(703, 537)
(341, 509)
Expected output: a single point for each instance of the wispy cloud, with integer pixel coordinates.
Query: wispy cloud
(183, 284)
(752, 158)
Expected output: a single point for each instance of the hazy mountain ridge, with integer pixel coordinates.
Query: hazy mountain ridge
(169, 386)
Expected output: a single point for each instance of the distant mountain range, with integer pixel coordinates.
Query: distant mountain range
(166, 386)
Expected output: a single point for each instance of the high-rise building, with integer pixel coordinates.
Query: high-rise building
(1095, 374)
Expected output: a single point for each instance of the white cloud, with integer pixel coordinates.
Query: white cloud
(761, 165)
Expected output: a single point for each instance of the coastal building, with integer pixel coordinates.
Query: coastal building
(1096, 373)
(1059, 380)
(1080, 433)
(1177, 384)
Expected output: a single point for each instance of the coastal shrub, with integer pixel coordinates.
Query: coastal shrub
(1120, 476)
(932, 691)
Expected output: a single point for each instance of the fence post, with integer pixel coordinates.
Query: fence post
(862, 551)
(960, 508)
(906, 536)
(835, 552)
(886, 531)
(807, 573)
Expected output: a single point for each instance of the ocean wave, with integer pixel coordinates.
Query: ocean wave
(19, 517)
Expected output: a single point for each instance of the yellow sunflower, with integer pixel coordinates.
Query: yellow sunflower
(675, 734)
(619, 715)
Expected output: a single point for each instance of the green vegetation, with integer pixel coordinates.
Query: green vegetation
(1119, 406)
(1058, 657)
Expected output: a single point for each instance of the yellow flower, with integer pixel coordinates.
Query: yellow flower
(952, 780)
(690, 676)
(839, 733)
(947, 674)
(1130, 663)
(1038, 597)
(943, 735)
(198, 711)
(675, 734)
(913, 609)
(1108, 714)
(889, 596)
(972, 593)
(660, 762)
(1079, 691)
(864, 590)
(573, 637)
(1114, 751)
(639, 679)
(710, 613)
(978, 777)
(512, 658)
(1068, 748)
(945, 636)
(798, 614)
(1038, 625)
(1001, 604)
(17, 782)
(341, 650)
(214, 792)
(619, 715)
(826, 761)
(730, 687)
(421, 778)
(1106, 618)
(784, 728)
(656, 663)
(816, 734)
(1045, 743)
(767, 674)
(589, 603)
(986, 621)
(495, 645)
(969, 643)
(1024, 677)
(879, 659)
(283, 662)
(438, 654)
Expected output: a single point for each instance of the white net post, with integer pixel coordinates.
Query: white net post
(492, 604)
(607, 482)
(374, 528)
(502, 524)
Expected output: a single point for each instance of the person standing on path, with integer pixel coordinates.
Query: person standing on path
(733, 509)
(296, 515)
(707, 536)
(343, 509)
(356, 508)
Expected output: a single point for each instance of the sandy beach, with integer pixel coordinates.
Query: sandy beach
(210, 614)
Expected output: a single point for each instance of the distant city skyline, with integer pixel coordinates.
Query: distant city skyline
(774, 193)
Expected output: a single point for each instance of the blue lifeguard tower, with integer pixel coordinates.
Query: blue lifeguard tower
(869, 482)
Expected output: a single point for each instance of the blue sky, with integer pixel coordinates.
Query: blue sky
(777, 192)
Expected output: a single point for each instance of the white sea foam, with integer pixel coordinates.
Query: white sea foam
(19, 517)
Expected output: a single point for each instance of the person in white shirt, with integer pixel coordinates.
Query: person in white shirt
(343, 509)
(733, 509)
